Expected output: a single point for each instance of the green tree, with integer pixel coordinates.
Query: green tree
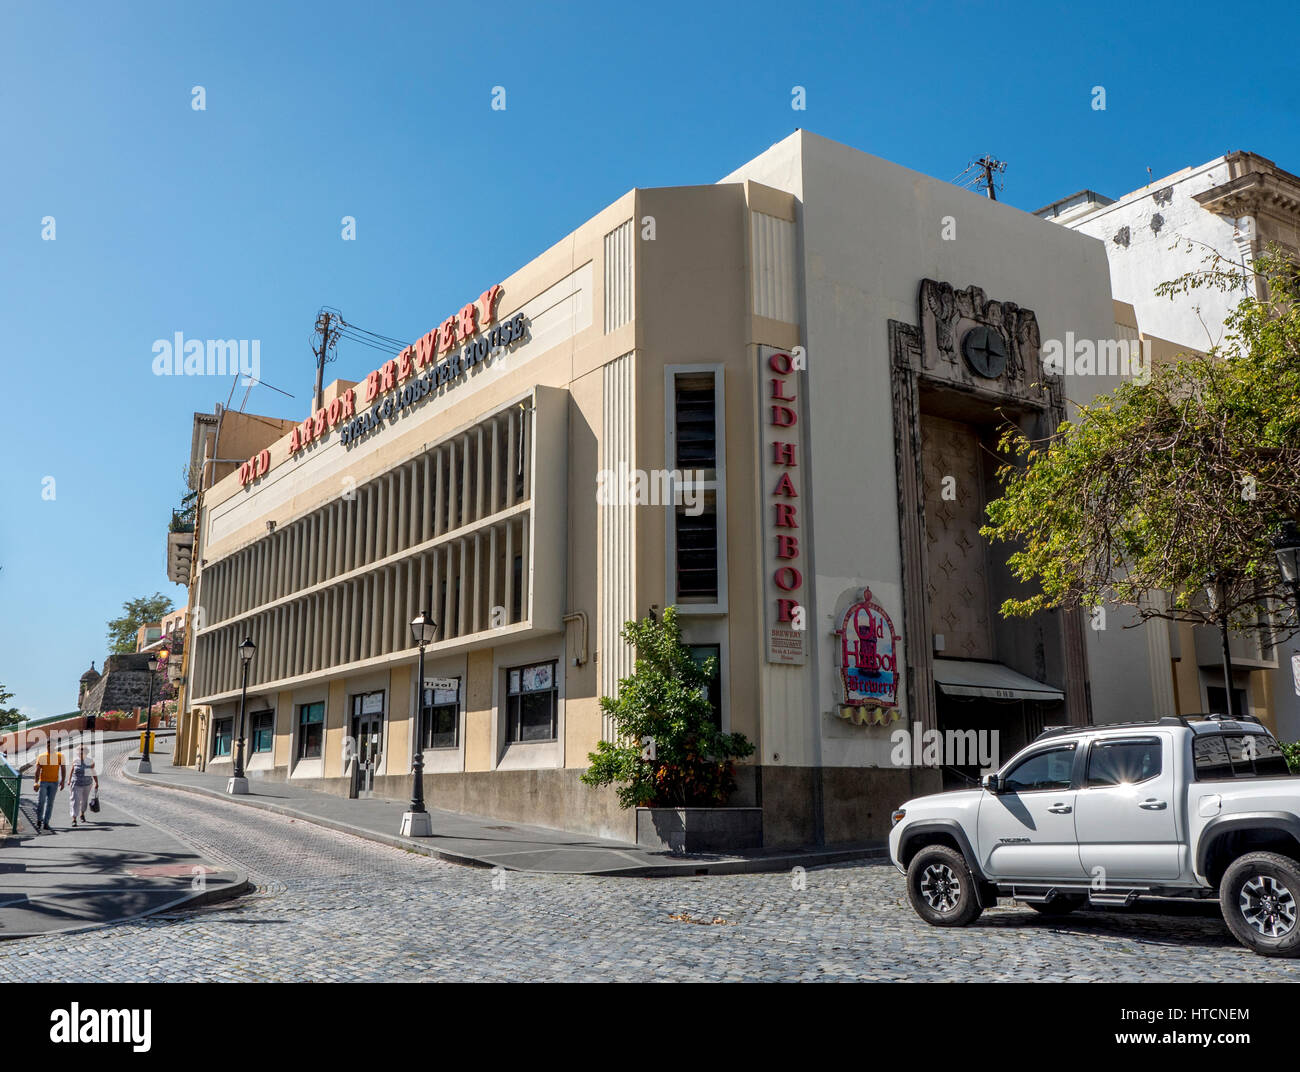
(9, 716)
(135, 613)
(668, 753)
(1158, 491)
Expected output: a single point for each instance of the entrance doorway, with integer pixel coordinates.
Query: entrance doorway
(977, 730)
(368, 732)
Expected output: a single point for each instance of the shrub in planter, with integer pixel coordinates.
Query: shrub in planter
(669, 754)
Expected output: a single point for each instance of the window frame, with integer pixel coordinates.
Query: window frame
(718, 485)
(716, 652)
(424, 727)
(1094, 745)
(253, 750)
(510, 739)
(229, 737)
(1063, 746)
(301, 737)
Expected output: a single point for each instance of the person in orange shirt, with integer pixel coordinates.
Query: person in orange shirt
(49, 775)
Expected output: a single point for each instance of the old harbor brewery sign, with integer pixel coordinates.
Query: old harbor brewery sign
(868, 663)
(472, 337)
(780, 409)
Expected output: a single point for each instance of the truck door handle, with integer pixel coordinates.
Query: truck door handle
(1154, 805)
(1060, 809)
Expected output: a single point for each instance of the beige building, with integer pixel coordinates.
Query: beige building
(765, 401)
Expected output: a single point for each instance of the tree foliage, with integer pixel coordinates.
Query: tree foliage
(9, 716)
(690, 762)
(135, 613)
(1156, 489)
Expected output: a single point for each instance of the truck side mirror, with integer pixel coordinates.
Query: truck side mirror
(992, 783)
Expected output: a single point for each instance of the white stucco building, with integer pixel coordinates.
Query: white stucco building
(1234, 205)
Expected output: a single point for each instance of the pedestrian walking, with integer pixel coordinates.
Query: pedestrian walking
(50, 776)
(81, 780)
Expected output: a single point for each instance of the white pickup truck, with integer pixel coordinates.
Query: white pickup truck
(1196, 806)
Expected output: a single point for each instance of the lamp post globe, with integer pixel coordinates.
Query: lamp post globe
(416, 821)
(238, 784)
(145, 766)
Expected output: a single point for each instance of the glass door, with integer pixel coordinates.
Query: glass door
(368, 732)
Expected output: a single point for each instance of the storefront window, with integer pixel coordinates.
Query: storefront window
(311, 730)
(532, 699)
(440, 714)
(222, 734)
(262, 731)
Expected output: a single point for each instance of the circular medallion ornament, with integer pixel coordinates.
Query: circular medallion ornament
(985, 352)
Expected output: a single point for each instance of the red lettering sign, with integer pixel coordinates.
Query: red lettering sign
(787, 578)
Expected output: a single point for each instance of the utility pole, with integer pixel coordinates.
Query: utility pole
(328, 334)
(989, 166)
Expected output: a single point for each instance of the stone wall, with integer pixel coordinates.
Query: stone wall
(125, 685)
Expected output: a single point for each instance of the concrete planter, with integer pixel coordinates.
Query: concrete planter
(700, 829)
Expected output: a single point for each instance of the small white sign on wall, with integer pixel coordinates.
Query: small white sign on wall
(1295, 673)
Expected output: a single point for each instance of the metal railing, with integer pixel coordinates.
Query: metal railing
(10, 786)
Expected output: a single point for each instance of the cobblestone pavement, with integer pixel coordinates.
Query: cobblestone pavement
(329, 906)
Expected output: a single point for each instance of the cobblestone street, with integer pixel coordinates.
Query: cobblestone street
(330, 906)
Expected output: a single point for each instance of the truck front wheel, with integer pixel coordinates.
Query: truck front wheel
(941, 887)
(1260, 899)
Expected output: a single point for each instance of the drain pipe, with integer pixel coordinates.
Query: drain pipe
(579, 616)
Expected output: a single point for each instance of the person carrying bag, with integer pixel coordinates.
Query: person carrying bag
(81, 780)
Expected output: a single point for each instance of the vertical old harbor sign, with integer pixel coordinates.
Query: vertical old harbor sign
(780, 409)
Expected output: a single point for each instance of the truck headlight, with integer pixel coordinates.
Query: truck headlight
(897, 817)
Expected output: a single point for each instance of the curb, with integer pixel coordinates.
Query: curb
(723, 867)
(238, 888)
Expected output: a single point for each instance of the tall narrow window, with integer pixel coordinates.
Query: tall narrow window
(701, 653)
(697, 480)
(311, 730)
(262, 731)
(222, 731)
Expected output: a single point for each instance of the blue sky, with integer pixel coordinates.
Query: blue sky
(225, 223)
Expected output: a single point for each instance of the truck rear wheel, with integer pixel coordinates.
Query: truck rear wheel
(1260, 900)
(941, 888)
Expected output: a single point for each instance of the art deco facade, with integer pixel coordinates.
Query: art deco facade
(792, 354)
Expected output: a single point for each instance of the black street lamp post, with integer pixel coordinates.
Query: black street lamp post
(145, 766)
(1286, 545)
(1218, 604)
(238, 784)
(416, 822)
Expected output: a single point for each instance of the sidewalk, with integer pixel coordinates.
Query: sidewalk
(480, 841)
(113, 869)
